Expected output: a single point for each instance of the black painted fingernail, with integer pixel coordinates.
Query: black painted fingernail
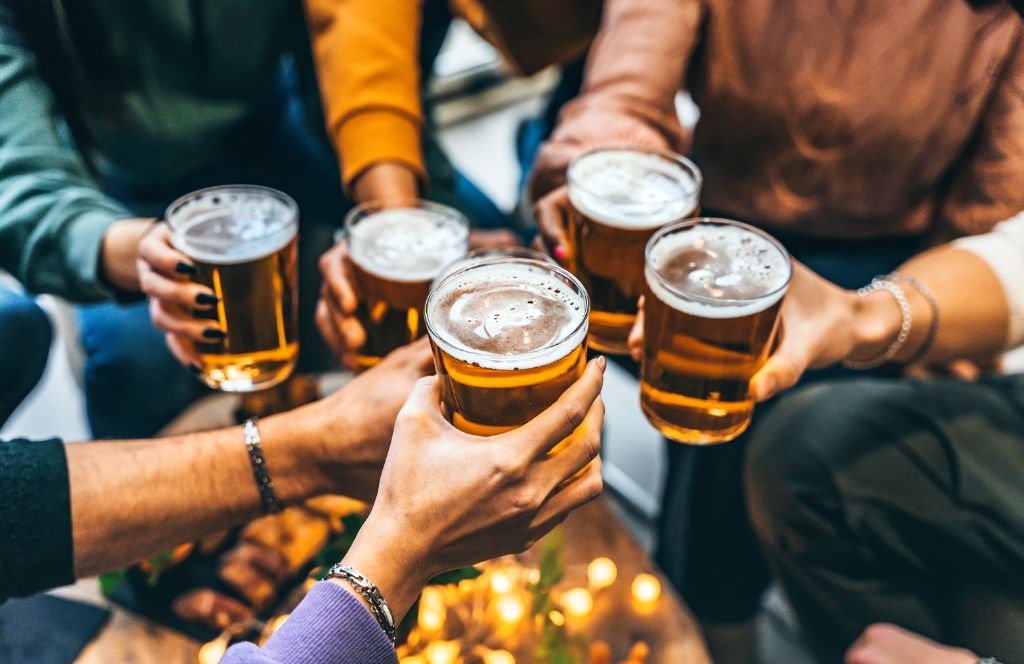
(213, 333)
(194, 369)
(207, 298)
(184, 268)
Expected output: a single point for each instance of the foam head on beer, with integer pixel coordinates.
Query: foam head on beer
(407, 244)
(728, 270)
(232, 227)
(632, 189)
(507, 315)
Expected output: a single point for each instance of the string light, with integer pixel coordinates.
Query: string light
(510, 609)
(432, 613)
(556, 617)
(276, 623)
(412, 659)
(501, 583)
(213, 651)
(442, 652)
(499, 657)
(578, 602)
(601, 573)
(646, 588)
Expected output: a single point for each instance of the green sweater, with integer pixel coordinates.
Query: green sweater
(154, 84)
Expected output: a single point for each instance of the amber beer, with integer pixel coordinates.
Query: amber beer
(620, 197)
(243, 240)
(509, 337)
(713, 292)
(396, 253)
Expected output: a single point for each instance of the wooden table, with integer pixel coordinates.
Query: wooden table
(592, 531)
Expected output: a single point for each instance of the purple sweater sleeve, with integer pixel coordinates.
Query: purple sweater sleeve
(329, 626)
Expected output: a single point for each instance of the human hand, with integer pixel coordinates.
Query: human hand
(175, 300)
(353, 427)
(336, 309)
(449, 499)
(888, 644)
(552, 213)
(119, 251)
(386, 181)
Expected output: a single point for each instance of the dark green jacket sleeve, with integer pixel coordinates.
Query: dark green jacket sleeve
(52, 214)
(35, 517)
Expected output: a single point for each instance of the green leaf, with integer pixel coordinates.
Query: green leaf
(552, 570)
(454, 576)
(158, 564)
(111, 581)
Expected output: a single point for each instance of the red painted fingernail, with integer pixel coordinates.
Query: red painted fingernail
(560, 252)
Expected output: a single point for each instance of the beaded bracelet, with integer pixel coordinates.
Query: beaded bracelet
(254, 446)
(879, 283)
(933, 304)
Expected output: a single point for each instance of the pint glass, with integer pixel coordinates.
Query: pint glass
(620, 197)
(509, 337)
(242, 240)
(396, 252)
(713, 292)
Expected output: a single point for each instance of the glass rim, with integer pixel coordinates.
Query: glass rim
(289, 202)
(721, 221)
(368, 208)
(554, 268)
(676, 159)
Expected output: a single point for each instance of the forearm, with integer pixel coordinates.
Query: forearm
(132, 499)
(973, 313)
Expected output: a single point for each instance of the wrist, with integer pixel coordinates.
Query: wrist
(119, 252)
(295, 457)
(876, 324)
(386, 181)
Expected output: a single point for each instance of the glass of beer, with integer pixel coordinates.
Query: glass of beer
(620, 197)
(713, 292)
(509, 337)
(396, 253)
(243, 241)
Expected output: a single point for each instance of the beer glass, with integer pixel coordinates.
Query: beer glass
(713, 292)
(243, 242)
(620, 197)
(396, 252)
(509, 337)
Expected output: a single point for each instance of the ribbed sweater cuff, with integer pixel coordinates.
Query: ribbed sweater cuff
(1003, 250)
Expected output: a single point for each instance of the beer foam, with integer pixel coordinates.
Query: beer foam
(407, 244)
(226, 228)
(506, 315)
(745, 271)
(629, 189)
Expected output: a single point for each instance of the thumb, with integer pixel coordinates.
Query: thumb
(782, 370)
(636, 333)
(423, 400)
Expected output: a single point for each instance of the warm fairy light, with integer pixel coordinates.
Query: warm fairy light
(432, 613)
(578, 602)
(501, 583)
(412, 659)
(534, 575)
(510, 608)
(308, 584)
(276, 623)
(646, 588)
(601, 573)
(442, 652)
(556, 617)
(499, 657)
(211, 653)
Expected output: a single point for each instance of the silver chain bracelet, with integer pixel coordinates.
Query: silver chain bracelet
(879, 283)
(367, 590)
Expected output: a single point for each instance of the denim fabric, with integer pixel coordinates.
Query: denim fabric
(25, 338)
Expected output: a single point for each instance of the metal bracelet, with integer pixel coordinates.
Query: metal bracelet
(988, 660)
(379, 606)
(933, 304)
(254, 445)
(880, 283)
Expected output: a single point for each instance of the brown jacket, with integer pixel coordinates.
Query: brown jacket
(836, 118)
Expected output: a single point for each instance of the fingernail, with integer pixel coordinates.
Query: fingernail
(194, 369)
(602, 361)
(207, 298)
(213, 333)
(560, 252)
(184, 268)
(768, 387)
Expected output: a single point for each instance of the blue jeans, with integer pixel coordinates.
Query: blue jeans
(25, 338)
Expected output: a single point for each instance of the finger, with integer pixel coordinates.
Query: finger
(185, 294)
(582, 448)
(965, 370)
(338, 279)
(563, 417)
(176, 321)
(571, 496)
(325, 323)
(416, 355)
(423, 400)
(184, 352)
(636, 334)
(552, 217)
(782, 370)
(156, 250)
